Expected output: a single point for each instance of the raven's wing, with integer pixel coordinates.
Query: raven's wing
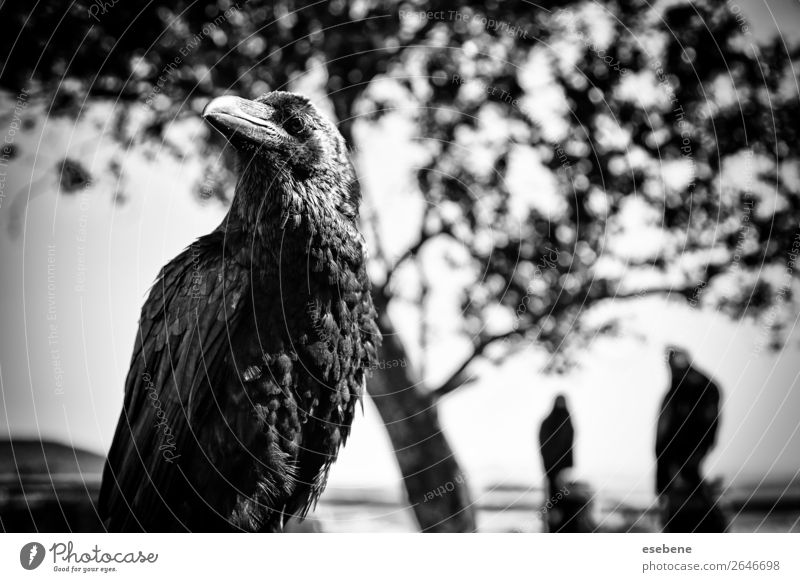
(709, 413)
(181, 351)
(556, 438)
(348, 348)
(664, 431)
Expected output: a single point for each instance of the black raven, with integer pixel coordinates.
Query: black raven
(556, 437)
(568, 504)
(254, 343)
(687, 424)
(686, 432)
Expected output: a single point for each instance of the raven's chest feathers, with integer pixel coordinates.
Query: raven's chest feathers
(303, 340)
(255, 363)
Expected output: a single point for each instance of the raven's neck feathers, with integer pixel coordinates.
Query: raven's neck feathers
(280, 213)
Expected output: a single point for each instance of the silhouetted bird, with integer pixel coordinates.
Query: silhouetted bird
(254, 343)
(687, 423)
(556, 438)
(569, 504)
(687, 429)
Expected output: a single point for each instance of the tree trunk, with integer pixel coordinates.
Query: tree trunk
(435, 484)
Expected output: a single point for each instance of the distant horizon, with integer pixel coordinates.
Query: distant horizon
(785, 494)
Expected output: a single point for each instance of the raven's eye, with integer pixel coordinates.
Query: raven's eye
(295, 126)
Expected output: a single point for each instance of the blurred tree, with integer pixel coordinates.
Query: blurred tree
(578, 154)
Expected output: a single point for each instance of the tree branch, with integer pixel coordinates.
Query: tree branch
(457, 378)
(424, 237)
(682, 291)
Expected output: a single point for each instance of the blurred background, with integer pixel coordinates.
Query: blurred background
(553, 193)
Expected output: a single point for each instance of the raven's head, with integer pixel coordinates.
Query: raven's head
(286, 149)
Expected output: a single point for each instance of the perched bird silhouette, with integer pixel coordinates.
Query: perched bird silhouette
(254, 343)
(568, 503)
(556, 437)
(687, 424)
(687, 429)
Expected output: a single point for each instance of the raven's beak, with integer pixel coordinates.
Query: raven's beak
(241, 118)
